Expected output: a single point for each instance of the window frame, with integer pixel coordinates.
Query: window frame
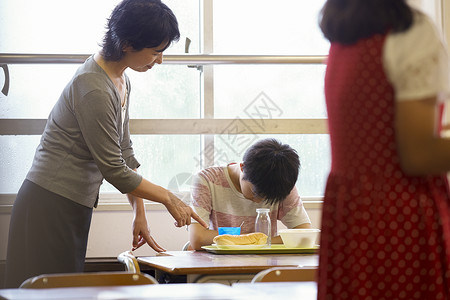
(207, 126)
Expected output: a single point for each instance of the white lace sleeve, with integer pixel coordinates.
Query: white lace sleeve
(416, 62)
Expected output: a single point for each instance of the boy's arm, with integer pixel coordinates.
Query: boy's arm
(201, 203)
(200, 236)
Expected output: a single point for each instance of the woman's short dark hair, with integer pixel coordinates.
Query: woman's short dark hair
(347, 21)
(272, 168)
(139, 24)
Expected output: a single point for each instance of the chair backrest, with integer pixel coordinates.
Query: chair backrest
(130, 262)
(186, 246)
(286, 274)
(87, 279)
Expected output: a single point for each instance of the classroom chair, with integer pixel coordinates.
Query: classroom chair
(186, 246)
(129, 260)
(86, 279)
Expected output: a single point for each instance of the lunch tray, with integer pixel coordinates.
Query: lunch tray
(274, 249)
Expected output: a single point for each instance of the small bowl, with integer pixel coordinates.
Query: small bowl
(230, 230)
(299, 238)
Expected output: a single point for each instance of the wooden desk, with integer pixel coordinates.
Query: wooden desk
(207, 291)
(201, 266)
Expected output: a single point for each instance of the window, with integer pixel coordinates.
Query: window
(195, 110)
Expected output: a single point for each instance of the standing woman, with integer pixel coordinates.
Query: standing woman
(86, 140)
(386, 213)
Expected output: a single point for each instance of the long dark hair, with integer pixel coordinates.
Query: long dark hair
(139, 24)
(347, 21)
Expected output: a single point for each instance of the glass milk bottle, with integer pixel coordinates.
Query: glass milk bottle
(262, 223)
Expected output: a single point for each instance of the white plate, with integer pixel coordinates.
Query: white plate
(236, 247)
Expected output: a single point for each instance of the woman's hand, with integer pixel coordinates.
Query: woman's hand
(141, 234)
(181, 212)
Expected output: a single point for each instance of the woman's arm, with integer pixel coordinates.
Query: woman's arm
(181, 212)
(421, 150)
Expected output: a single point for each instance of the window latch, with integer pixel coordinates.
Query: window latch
(187, 44)
(5, 88)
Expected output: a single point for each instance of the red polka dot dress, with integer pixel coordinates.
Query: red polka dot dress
(385, 235)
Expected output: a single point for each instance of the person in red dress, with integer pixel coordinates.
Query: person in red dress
(386, 212)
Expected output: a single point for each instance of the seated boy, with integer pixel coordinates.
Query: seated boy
(228, 196)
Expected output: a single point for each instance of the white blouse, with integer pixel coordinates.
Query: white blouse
(416, 61)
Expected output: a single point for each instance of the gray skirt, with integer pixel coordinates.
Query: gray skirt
(48, 234)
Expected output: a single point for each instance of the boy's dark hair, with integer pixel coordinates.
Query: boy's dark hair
(139, 24)
(347, 21)
(272, 168)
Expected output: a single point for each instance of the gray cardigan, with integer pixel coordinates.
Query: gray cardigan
(84, 141)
